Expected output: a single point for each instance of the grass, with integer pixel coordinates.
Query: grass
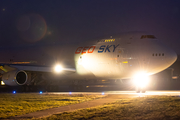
(18, 104)
(150, 108)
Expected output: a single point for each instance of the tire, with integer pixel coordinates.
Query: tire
(138, 89)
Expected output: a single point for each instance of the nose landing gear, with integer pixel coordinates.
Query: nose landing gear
(140, 89)
(141, 80)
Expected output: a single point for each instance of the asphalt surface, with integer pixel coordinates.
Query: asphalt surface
(112, 97)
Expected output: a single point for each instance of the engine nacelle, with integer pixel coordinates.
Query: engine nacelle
(14, 78)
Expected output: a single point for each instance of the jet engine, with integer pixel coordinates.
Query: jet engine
(14, 78)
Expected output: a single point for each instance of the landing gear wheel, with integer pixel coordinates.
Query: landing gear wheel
(143, 91)
(138, 90)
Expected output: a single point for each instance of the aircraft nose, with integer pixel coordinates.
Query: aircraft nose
(171, 56)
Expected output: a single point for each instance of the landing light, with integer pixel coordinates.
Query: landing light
(58, 68)
(141, 79)
(40, 92)
(14, 92)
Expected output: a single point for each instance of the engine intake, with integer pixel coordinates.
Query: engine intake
(14, 78)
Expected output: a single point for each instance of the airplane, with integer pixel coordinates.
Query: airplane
(125, 56)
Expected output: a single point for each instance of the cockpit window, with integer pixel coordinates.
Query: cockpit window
(148, 36)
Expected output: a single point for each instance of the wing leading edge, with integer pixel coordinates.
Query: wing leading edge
(7, 68)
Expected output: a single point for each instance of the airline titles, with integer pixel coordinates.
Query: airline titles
(102, 48)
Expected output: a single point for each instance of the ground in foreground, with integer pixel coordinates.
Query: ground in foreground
(19, 104)
(151, 108)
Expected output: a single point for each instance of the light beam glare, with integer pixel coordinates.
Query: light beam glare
(141, 79)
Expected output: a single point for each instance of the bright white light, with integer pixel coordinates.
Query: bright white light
(14, 92)
(40, 92)
(2, 83)
(141, 79)
(58, 68)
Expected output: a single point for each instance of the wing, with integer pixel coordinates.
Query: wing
(19, 74)
(34, 68)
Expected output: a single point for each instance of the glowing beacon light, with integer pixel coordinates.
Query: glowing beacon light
(40, 92)
(70, 93)
(14, 92)
(102, 93)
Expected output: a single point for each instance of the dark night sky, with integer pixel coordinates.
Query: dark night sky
(81, 20)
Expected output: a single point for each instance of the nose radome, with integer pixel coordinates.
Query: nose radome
(171, 56)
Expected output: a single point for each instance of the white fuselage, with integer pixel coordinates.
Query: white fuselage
(121, 58)
(115, 58)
